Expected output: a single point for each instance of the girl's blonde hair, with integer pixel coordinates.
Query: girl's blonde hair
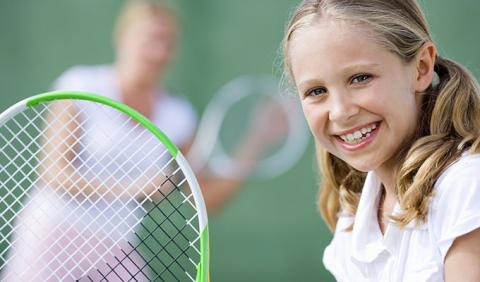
(134, 10)
(450, 112)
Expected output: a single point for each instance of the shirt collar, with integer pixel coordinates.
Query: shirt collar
(367, 240)
(366, 236)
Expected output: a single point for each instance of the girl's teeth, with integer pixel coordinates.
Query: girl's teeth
(359, 135)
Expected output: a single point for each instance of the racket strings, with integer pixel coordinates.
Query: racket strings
(15, 171)
(163, 247)
(32, 141)
(102, 159)
(13, 157)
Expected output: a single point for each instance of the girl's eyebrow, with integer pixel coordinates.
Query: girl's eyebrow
(359, 66)
(307, 83)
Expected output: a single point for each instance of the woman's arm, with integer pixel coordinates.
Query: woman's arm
(266, 128)
(58, 169)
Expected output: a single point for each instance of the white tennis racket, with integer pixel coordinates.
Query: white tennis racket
(235, 112)
(91, 190)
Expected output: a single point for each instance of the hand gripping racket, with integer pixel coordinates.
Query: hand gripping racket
(91, 190)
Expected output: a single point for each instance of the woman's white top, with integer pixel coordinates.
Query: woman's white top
(174, 115)
(415, 253)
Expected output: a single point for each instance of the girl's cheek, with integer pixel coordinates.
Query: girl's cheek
(310, 120)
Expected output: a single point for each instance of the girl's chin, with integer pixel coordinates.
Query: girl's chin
(360, 165)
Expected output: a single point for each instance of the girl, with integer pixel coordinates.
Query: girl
(397, 129)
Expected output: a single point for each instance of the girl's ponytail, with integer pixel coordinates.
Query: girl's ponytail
(451, 125)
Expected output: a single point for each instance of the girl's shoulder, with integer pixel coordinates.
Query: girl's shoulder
(454, 209)
(464, 170)
(458, 183)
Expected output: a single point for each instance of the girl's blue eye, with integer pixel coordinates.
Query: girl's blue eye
(316, 92)
(361, 78)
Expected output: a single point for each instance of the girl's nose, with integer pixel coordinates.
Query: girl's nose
(342, 107)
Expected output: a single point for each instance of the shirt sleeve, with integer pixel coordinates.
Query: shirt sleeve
(177, 118)
(455, 207)
(72, 79)
(188, 123)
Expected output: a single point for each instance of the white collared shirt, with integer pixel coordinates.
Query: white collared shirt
(417, 252)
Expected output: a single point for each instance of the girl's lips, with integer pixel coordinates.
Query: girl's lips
(362, 143)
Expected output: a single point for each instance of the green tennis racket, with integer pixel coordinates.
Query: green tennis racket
(91, 190)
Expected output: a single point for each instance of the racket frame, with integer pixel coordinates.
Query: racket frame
(203, 267)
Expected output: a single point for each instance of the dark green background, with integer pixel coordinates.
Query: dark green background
(271, 231)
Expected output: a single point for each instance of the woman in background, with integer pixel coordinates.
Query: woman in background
(145, 42)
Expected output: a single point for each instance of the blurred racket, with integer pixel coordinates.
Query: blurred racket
(250, 107)
(129, 214)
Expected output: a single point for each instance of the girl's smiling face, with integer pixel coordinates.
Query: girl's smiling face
(359, 98)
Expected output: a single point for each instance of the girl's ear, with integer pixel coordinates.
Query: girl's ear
(425, 62)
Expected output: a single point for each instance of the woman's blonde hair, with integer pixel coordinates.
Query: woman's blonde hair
(450, 112)
(134, 10)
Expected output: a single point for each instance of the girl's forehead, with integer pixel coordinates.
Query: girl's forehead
(334, 28)
(332, 49)
(333, 36)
